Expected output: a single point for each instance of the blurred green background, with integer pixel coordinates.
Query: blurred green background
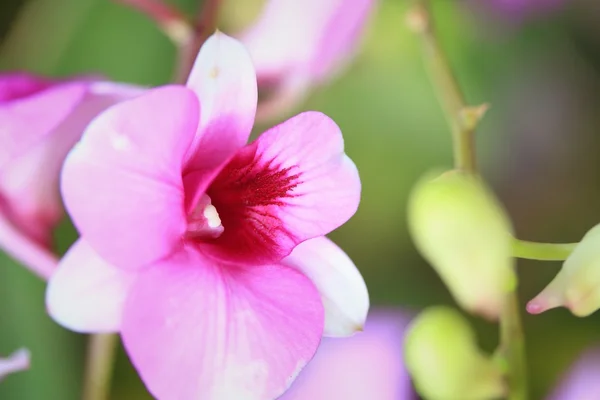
(537, 146)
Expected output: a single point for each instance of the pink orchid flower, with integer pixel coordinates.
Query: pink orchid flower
(40, 120)
(581, 382)
(364, 367)
(205, 253)
(18, 361)
(299, 44)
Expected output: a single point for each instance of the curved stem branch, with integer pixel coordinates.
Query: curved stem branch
(98, 371)
(542, 251)
(463, 120)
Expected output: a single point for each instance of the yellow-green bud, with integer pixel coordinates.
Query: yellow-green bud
(441, 354)
(577, 285)
(463, 232)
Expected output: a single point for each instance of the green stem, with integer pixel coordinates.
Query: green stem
(448, 91)
(512, 347)
(542, 251)
(98, 371)
(463, 120)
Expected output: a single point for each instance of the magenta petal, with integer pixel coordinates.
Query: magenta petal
(122, 183)
(366, 366)
(292, 184)
(86, 294)
(27, 115)
(194, 329)
(224, 80)
(29, 181)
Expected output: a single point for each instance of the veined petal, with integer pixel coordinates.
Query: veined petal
(122, 183)
(17, 361)
(292, 184)
(86, 294)
(343, 291)
(194, 329)
(30, 109)
(29, 182)
(224, 80)
(366, 366)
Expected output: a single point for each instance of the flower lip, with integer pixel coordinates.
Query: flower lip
(238, 212)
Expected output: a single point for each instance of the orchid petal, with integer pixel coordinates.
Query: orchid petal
(86, 294)
(581, 381)
(29, 182)
(122, 183)
(31, 109)
(224, 80)
(292, 184)
(343, 291)
(194, 329)
(17, 361)
(22, 248)
(290, 58)
(366, 366)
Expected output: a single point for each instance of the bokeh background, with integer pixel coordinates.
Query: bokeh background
(538, 146)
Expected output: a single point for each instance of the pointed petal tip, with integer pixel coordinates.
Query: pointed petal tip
(539, 305)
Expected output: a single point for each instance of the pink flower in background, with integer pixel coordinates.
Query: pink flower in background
(18, 361)
(40, 120)
(206, 254)
(581, 382)
(364, 367)
(299, 44)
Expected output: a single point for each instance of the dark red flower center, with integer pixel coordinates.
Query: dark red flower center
(246, 197)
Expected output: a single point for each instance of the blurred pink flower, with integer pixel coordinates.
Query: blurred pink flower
(299, 44)
(366, 366)
(40, 120)
(581, 382)
(18, 361)
(186, 235)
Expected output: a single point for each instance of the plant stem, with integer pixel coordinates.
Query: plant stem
(512, 347)
(542, 251)
(204, 26)
(463, 120)
(448, 91)
(98, 371)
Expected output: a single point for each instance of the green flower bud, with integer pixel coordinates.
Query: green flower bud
(463, 232)
(442, 356)
(577, 285)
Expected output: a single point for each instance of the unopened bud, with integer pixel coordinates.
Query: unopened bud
(463, 232)
(577, 285)
(442, 356)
